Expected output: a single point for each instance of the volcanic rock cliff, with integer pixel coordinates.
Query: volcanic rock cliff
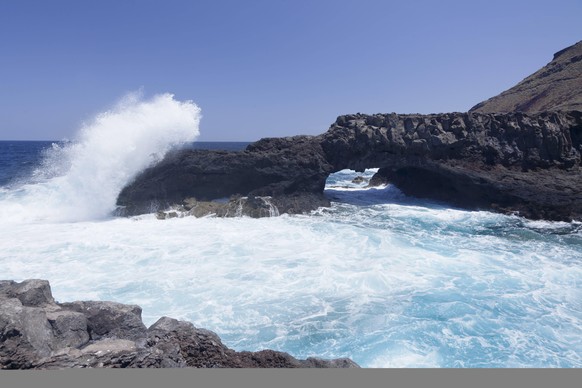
(512, 162)
(38, 333)
(496, 157)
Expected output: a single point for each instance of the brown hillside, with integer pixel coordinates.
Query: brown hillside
(556, 86)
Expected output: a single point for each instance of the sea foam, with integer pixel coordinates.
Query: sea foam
(81, 179)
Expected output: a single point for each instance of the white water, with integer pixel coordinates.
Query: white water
(386, 280)
(81, 180)
(340, 284)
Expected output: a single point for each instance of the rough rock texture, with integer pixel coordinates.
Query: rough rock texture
(511, 162)
(38, 333)
(291, 171)
(507, 162)
(556, 86)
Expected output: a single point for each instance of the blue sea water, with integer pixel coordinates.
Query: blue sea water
(385, 279)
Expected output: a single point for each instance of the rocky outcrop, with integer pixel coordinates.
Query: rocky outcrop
(509, 161)
(291, 172)
(512, 162)
(555, 87)
(38, 333)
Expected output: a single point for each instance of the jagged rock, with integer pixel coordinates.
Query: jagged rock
(359, 179)
(32, 292)
(508, 162)
(380, 178)
(25, 334)
(505, 162)
(109, 319)
(203, 349)
(279, 168)
(251, 206)
(44, 334)
(70, 328)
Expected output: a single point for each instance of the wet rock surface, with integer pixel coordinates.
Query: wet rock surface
(38, 333)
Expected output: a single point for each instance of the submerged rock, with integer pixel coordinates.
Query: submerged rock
(38, 333)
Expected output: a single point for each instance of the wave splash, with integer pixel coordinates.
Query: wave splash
(81, 180)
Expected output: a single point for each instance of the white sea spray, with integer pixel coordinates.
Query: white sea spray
(81, 179)
(385, 279)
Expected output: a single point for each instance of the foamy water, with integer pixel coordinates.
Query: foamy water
(82, 179)
(387, 280)
(339, 284)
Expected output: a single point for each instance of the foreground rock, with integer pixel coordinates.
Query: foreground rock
(555, 87)
(38, 333)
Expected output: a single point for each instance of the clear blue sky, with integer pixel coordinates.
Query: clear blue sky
(267, 68)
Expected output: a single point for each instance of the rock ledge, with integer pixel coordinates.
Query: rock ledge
(38, 333)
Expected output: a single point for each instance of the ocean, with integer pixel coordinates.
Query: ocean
(384, 279)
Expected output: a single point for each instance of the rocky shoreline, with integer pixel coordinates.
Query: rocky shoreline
(38, 333)
(528, 164)
(518, 152)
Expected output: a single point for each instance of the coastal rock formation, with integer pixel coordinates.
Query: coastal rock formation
(493, 158)
(556, 86)
(38, 333)
(507, 162)
(510, 162)
(290, 171)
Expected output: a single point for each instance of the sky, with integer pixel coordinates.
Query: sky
(269, 67)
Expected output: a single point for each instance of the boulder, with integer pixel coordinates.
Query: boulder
(42, 334)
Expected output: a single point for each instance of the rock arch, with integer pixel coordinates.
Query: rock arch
(507, 162)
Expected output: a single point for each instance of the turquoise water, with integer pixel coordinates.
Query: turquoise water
(385, 279)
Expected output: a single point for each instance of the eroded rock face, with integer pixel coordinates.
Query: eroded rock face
(38, 333)
(291, 171)
(496, 157)
(511, 162)
(529, 164)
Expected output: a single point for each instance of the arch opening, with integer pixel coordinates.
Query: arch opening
(361, 188)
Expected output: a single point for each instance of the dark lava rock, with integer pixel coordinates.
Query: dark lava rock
(284, 169)
(556, 86)
(510, 162)
(529, 164)
(37, 333)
